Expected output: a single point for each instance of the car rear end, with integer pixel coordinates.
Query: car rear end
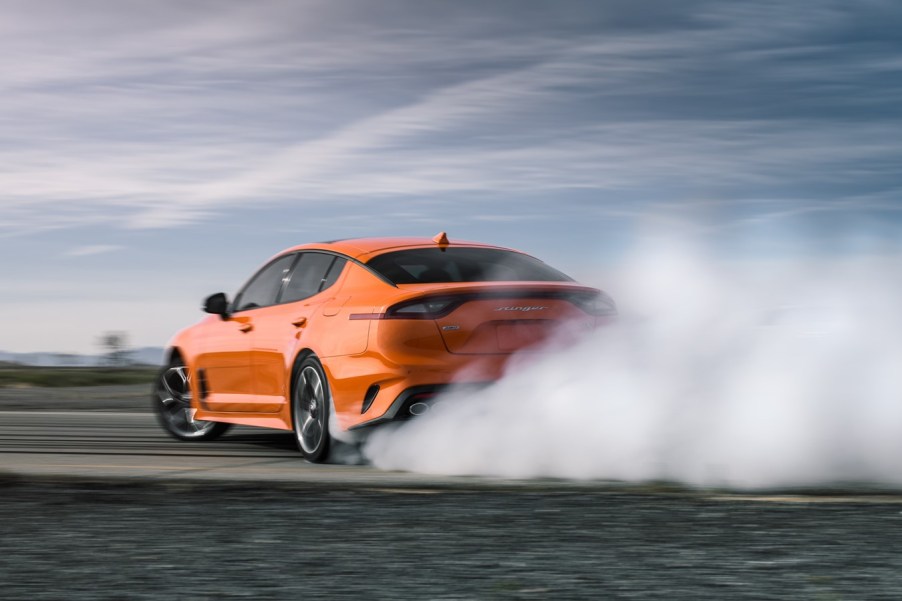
(457, 315)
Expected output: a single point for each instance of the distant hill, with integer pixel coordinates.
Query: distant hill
(148, 355)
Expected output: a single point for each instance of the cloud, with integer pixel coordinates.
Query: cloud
(170, 115)
(94, 249)
(555, 127)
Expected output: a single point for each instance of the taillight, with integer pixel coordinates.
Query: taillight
(429, 308)
(419, 308)
(599, 305)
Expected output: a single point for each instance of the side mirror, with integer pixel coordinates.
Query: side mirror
(217, 304)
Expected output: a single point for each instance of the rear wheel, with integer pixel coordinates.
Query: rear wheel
(311, 401)
(172, 404)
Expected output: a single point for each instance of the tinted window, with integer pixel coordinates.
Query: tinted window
(434, 265)
(264, 287)
(334, 272)
(313, 273)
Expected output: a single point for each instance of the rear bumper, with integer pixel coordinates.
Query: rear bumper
(371, 389)
(419, 399)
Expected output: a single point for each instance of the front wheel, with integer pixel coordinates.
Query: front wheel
(310, 405)
(172, 405)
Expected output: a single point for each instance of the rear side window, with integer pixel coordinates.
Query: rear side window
(263, 288)
(313, 273)
(437, 265)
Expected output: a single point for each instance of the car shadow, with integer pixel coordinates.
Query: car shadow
(344, 454)
(279, 441)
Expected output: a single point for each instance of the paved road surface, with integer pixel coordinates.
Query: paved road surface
(103, 505)
(117, 444)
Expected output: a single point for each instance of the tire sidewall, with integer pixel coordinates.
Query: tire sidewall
(321, 452)
(214, 432)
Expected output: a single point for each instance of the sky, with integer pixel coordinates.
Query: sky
(152, 153)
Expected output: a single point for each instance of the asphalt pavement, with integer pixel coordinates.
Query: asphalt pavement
(96, 502)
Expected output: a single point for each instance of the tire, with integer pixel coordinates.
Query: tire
(172, 405)
(311, 401)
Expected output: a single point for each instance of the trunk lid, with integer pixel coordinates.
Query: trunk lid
(501, 318)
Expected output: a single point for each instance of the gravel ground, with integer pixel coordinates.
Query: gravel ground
(192, 541)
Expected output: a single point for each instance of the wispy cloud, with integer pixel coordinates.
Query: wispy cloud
(167, 127)
(94, 249)
(170, 116)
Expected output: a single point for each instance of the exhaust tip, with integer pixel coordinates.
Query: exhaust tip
(418, 408)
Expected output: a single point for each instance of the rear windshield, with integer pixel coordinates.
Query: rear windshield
(437, 265)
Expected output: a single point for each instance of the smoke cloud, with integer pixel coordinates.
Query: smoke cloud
(717, 373)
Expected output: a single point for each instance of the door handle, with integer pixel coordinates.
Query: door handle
(300, 322)
(245, 327)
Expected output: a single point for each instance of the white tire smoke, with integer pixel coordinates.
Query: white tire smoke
(743, 375)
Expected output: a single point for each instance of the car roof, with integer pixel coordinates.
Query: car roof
(365, 247)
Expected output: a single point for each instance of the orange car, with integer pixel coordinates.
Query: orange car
(329, 339)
